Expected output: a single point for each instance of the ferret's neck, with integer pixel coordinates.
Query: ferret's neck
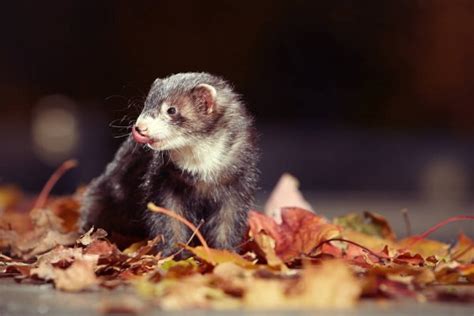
(206, 159)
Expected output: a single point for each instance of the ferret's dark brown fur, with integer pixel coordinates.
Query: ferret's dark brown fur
(192, 151)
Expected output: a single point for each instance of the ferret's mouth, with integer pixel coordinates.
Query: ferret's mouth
(142, 137)
(155, 144)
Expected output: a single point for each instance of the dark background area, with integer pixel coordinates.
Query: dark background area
(349, 96)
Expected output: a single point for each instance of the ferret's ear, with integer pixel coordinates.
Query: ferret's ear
(204, 97)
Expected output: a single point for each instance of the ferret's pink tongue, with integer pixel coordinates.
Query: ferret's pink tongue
(139, 138)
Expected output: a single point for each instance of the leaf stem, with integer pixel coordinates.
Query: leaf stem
(439, 225)
(154, 208)
(406, 219)
(349, 242)
(57, 174)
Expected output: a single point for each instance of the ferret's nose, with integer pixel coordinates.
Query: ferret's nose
(140, 134)
(141, 130)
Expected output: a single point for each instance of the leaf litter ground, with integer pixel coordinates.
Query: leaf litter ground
(292, 258)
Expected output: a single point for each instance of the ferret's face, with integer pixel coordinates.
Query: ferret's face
(175, 118)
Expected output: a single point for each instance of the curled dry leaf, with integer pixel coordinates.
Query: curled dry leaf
(80, 275)
(298, 234)
(463, 251)
(285, 194)
(46, 234)
(218, 256)
(330, 285)
(371, 224)
(267, 245)
(92, 235)
(424, 247)
(191, 291)
(68, 268)
(67, 210)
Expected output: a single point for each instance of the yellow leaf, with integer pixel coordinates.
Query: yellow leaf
(425, 247)
(330, 285)
(218, 256)
(463, 251)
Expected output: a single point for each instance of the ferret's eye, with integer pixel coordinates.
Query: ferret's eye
(171, 110)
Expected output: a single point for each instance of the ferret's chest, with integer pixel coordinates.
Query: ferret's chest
(182, 192)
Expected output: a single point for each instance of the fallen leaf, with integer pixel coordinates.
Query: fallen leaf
(463, 251)
(91, 235)
(285, 194)
(68, 268)
(170, 263)
(39, 241)
(267, 245)
(67, 209)
(330, 285)
(424, 247)
(298, 234)
(368, 223)
(101, 248)
(77, 277)
(195, 291)
(218, 256)
(372, 242)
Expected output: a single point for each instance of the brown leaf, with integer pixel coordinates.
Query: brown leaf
(68, 268)
(77, 277)
(45, 218)
(91, 235)
(408, 258)
(298, 234)
(67, 209)
(40, 242)
(20, 222)
(101, 248)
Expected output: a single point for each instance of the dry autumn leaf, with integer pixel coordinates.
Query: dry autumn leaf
(463, 251)
(217, 256)
(285, 194)
(298, 234)
(330, 285)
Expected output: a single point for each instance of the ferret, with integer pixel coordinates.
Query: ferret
(192, 150)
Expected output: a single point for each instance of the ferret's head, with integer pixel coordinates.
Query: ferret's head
(181, 109)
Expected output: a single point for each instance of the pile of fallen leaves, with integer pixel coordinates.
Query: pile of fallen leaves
(292, 258)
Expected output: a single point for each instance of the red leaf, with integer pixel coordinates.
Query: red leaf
(298, 234)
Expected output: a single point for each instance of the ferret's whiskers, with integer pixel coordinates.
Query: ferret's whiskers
(121, 120)
(134, 148)
(120, 136)
(118, 96)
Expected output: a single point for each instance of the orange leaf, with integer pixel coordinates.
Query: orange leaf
(424, 247)
(267, 245)
(218, 256)
(463, 251)
(298, 234)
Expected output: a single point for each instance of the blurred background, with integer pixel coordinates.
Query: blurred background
(369, 104)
